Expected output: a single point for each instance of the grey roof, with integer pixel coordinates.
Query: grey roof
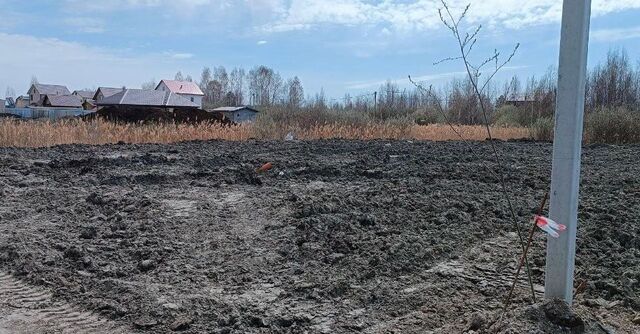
(87, 94)
(144, 97)
(107, 91)
(52, 89)
(64, 101)
(232, 109)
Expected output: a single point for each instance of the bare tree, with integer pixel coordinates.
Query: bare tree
(205, 77)
(149, 85)
(179, 76)
(188, 78)
(236, 81)
(10, 92)
(265, 85)
(295, 93)
(34, 80)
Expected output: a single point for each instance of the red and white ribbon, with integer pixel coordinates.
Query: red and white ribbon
(549, 226)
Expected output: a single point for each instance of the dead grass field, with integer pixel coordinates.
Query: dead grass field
(42, 134)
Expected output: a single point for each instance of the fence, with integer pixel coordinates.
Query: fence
(46, 113)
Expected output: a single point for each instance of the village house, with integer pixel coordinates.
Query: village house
(62, 101)
(103, 92)
(241, 114)
(142, 98)
(38, 91)
(188, 90)
(84, 94)
(22, 102)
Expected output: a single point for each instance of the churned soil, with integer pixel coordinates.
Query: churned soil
(338, 237)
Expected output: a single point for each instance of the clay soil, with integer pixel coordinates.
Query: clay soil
(339, 237)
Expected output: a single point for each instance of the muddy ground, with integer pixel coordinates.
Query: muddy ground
(339, 237)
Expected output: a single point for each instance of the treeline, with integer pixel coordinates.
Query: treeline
(612, 84)
(260, 86)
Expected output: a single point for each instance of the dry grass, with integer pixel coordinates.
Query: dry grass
(41, 134)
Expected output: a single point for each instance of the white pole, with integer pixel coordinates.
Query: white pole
(565, 175)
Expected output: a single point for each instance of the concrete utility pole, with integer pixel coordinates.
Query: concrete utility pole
(565, 176)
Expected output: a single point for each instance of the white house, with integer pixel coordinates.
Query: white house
(188, 90)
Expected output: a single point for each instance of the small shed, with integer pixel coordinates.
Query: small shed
(242, 114)
(22, 101)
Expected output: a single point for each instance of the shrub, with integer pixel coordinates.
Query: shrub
(509, 115)
(613, 126)
(542, 129)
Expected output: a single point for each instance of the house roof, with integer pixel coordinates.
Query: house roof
(143, 97)
(107, 91)
(51, 89)
(232, 109)
(182, 87)
(63, 101)
(87, 94)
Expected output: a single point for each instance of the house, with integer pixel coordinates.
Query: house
(22, 102)
(238, 114)
(62, 101)
(186, 89)
(103, 92)
(89, 104)
(38, 91)
(85, 94)
(147, 98)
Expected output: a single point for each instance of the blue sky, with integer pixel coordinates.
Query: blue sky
(348, 46)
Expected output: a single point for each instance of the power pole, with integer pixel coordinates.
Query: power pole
(375, 103)
(567, 146)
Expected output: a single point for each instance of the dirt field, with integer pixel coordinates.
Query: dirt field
(339, 237)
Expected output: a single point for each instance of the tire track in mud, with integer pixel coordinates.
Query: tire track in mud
(26, 309)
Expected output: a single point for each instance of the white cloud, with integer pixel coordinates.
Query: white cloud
(178, 55)
(77, 65)
(617, 34)
(262, 42)
(428, 78)
(86, 25)
(423, 14)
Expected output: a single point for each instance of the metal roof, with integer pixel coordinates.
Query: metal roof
(63, 101)
(232, 109)
(52, 89)
(107, 91)
(143, 97)
(182, 87)
(87, 94)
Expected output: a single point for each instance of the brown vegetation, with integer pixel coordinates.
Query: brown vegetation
(41, 134)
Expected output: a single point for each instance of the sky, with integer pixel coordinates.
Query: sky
(347, 46)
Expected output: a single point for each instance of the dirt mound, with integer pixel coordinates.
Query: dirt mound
(338, 237)
(158, 115)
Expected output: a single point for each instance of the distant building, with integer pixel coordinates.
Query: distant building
(188, 90)
(89, 104)
(64, 101)
(10, 103)
(22, 102)
(147, 98)
(2, 103)
(103, 92)
(38, 91)
(241, 114)
(85, 94)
